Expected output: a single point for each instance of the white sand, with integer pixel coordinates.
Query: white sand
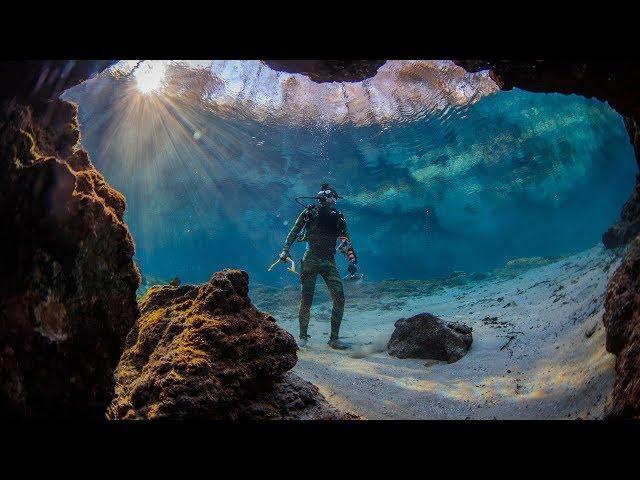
(534, 362)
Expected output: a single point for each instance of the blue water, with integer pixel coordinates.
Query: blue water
(516, 174)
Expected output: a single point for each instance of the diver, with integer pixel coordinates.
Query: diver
(323, 225)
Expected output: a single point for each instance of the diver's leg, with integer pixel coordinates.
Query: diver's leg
(308, 274)
(332, 279)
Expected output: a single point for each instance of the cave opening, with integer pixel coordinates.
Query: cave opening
(474, 204)
(440, 171)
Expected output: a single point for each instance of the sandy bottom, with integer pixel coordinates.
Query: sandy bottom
(538, 348)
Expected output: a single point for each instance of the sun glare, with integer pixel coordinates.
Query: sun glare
(150, 75)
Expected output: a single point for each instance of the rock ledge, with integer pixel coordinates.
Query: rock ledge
(206, 352)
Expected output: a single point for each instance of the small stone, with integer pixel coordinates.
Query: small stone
(591, 330)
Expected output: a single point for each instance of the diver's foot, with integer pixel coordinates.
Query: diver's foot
(302, 342)
(337, 344)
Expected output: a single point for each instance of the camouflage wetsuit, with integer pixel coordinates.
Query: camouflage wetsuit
(323, 225)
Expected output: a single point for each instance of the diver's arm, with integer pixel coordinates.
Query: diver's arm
(293, 234)
(344, 232)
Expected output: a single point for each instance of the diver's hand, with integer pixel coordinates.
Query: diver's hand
(352, 268)
(284, 255)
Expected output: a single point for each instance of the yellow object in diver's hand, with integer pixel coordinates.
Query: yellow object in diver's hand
(292, 268)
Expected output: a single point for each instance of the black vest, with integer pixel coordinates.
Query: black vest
(323, 235)
(328, 221)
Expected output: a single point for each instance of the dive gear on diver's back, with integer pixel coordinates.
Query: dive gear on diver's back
(321, 230)
(328, 221)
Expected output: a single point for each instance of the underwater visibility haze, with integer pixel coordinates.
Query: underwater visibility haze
(496, 232)
(436, 184)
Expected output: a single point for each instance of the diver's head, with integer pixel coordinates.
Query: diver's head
(327, 195)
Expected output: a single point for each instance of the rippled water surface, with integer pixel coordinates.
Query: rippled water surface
(453, 177)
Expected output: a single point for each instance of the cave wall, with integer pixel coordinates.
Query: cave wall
(628, 226)
(622, 320)
(67, 278)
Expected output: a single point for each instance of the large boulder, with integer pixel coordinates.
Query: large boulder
(67, 276)
(206, 352)
(622, 320)
(429, 337)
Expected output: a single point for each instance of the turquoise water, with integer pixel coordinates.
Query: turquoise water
(515, 174)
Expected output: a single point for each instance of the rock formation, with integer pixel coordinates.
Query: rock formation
(612, 81)
(628, 226)
(622, 319)
(206, 352)
(67, 278)
(329, 70)
(429, 337)
(39, 82)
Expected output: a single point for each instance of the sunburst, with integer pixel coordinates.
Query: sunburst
(150, 75)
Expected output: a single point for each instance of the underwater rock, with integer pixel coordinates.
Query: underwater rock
(206, 352)
(622, 321)
(175, 282)
(429, 337)
(517, 266)
(67, 277)
(329, 70)
(628, 226)
(290, 398)
(613, 81)
(32, 81)
(633, 129)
